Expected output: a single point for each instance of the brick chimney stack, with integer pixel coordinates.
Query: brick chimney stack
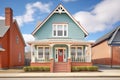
(8, 16)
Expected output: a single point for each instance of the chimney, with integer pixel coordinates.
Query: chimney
(8, 16)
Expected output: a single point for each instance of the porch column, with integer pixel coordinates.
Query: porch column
(51, 51)
(69, 57)
(32, 53)
(69, 51)
(89, 46)
(51, 58)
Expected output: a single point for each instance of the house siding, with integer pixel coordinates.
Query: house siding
(101, 53)
(45, 32)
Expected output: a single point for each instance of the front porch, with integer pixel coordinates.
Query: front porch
(60, 55)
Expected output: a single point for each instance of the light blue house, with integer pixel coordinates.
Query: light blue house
(59, 42)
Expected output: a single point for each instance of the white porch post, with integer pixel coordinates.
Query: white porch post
(32, 53)
(51, 51)
(69, 51)
(89, 46)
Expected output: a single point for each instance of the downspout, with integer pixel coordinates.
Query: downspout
(111, 55)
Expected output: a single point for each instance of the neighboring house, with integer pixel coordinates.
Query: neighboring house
(59, 42)
(11, 42)
(106, 50)
(27, 58)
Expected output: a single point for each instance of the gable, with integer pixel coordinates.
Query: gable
(16, 31)
(45, 32)
(116, 38)
(60, 9)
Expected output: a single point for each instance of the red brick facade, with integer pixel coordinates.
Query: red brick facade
(12, 42)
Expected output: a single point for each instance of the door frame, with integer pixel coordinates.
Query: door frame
(56, 53)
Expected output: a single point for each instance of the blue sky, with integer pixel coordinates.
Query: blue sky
(97, 16)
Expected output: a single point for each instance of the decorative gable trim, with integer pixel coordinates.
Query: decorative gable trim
(59, 9)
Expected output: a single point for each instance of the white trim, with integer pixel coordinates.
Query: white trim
(56, 49)
(43, 52)
(54, 11)
(56, 24)
(32, 56)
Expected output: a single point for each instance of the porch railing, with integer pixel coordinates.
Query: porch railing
(43, 60)
(80, 59)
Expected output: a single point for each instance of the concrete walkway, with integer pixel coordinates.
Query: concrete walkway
(102, 73)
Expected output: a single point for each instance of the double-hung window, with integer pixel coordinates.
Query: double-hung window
(60, 30)
(76, 51)
(43, 52)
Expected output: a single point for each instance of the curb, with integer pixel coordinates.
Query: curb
(59, 76)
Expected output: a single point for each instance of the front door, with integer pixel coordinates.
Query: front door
(60, 55)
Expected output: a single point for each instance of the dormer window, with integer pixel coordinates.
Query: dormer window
(60, 30)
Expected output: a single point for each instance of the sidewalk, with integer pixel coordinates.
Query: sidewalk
(103, 73)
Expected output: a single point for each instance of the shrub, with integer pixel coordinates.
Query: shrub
(74, 68)
(84, 68)
(36, 68)
(92, 68)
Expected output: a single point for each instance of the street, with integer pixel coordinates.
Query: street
(99, 78)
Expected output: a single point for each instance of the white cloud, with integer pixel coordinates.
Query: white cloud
(31, 8)
(68, 0)
(91, 41)
(102, 17)
(27, 38)
(1, 17)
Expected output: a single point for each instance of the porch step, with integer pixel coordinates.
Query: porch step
(60, 67)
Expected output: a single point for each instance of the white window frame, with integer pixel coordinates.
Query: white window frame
(64, 24)
(76, 49)
(56, 52)
(43, 52)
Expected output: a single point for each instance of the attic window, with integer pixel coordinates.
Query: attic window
(60, 30)
(60, 9)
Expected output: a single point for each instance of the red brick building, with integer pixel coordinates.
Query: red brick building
(11, 42)
(106, 50)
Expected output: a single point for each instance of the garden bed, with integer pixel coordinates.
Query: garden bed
(84, 68)
(36, 69)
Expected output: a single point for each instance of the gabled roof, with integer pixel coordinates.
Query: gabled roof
(109, 36)
(59, 9)
(3, 28)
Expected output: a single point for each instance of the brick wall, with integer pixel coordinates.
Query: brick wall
(116, 55)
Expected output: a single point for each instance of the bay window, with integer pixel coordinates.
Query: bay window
(60, 30)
